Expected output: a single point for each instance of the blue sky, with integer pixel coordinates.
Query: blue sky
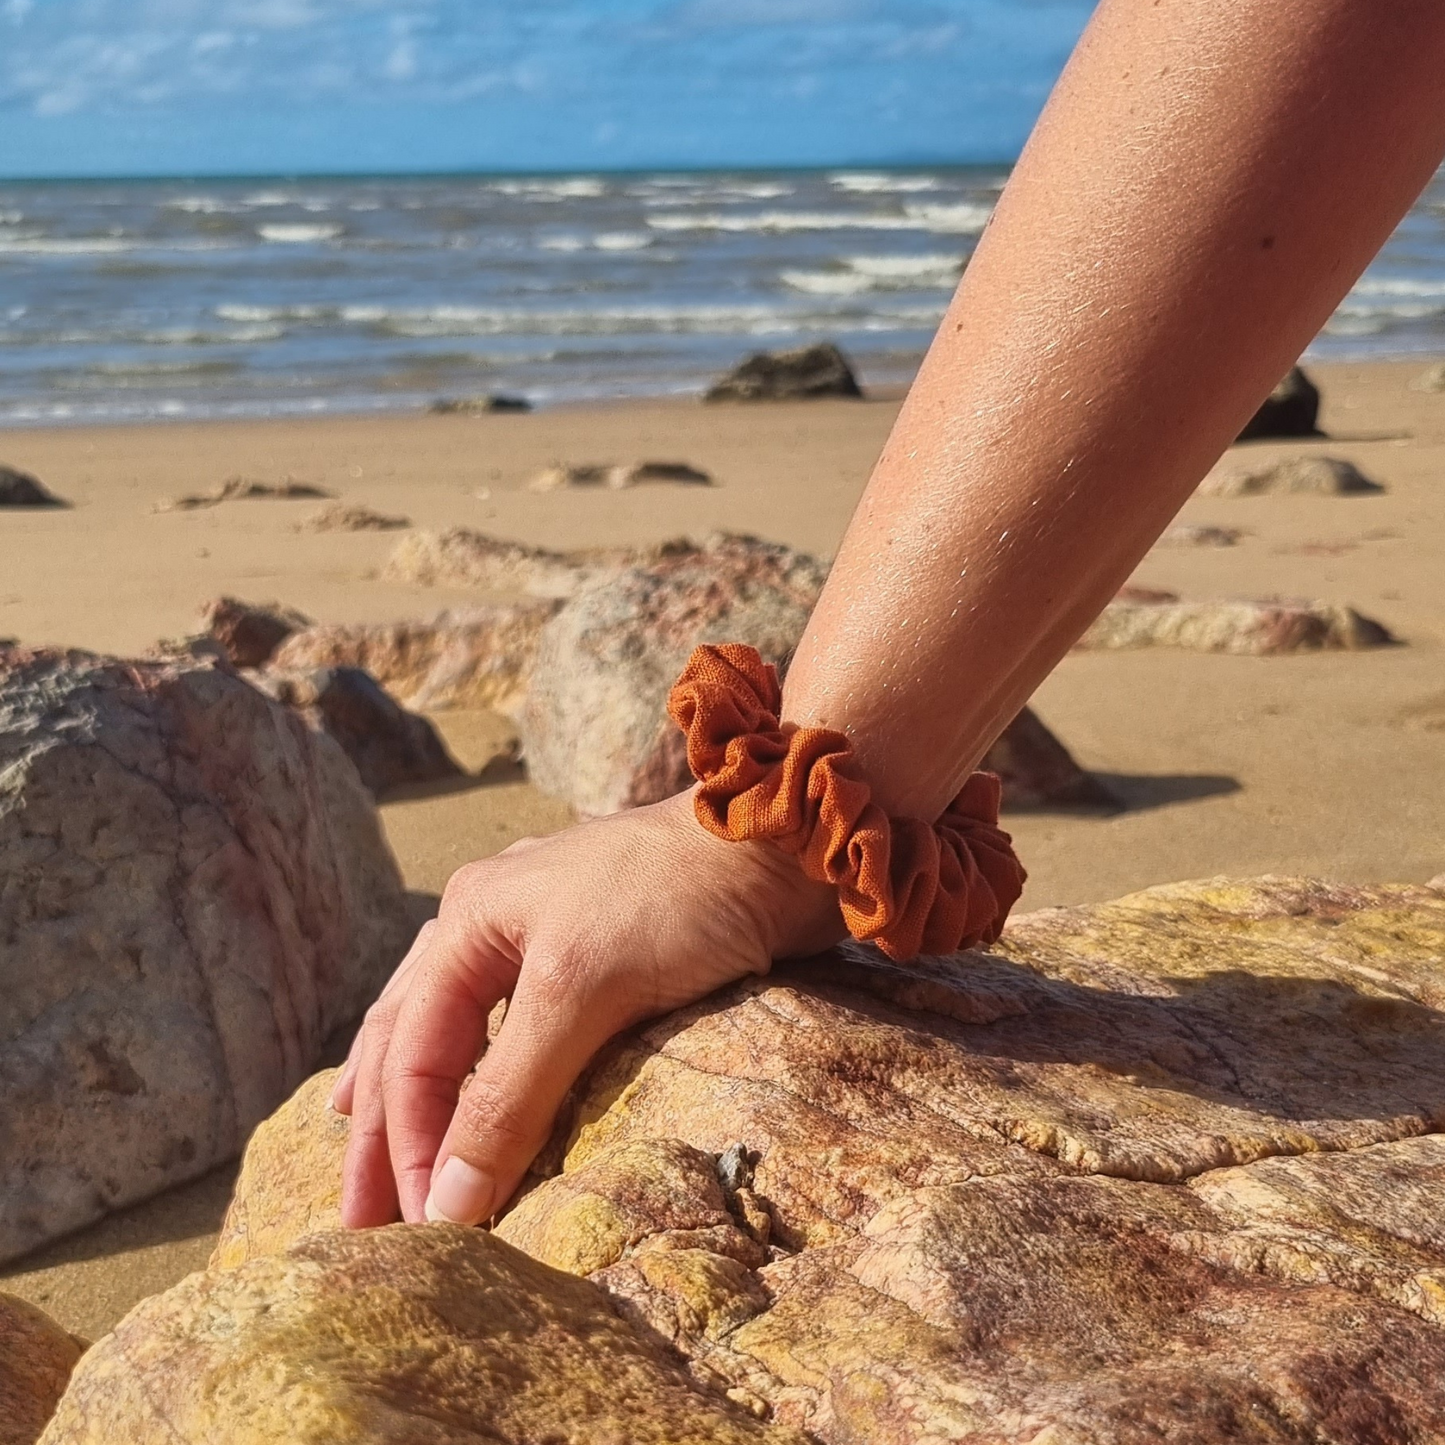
(130, 87)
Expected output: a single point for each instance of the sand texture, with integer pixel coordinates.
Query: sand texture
(1324, 763)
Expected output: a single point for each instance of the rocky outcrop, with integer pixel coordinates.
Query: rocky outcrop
(351, 517)
(1251, 629)
(616, 477)
(1168, 1168)
(1292, 409)
(464, 558)
(800, 375)
(36, 1359)
(248, 633)
(413, 1335)
(20, 489)
(390, 747)
(194, 894)
(1312, 476)
(471, 657)
(594, 726)
(241, 489)
(498, 402)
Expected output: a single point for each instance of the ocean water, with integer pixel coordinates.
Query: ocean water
(135, 300)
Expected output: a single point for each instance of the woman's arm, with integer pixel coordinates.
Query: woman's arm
(1208, 180)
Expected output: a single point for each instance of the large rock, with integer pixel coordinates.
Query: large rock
(389, 747)
(1169, 1168)
(194, 894)
(470, 657)
(412, 1335)
(1310, 476)
(594, 725)
(20, 489)
(800, 375)
(36, 1359)
(1250, 629)
(1292, 409)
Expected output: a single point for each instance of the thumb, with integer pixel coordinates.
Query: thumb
(554, 1025)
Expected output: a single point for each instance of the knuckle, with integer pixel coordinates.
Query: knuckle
(485, 1116)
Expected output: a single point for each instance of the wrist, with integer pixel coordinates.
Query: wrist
(790, 914)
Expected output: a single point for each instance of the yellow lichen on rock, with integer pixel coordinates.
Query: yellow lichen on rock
(290, 1181)
(427, 1335)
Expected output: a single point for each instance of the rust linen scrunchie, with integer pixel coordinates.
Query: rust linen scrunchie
(905, 885)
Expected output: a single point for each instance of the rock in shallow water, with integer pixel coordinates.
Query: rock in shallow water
(194, 893)
(802, 374)
(36, 1358)
(1168, 1168)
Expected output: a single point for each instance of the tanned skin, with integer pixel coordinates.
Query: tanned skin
(1207, 182)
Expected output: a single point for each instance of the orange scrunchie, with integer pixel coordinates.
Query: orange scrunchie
(904, 885)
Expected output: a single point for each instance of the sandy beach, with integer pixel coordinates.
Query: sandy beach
(1324, 763)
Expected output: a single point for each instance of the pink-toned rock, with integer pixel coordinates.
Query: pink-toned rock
(390, 747)
(36, 1359)
(249, 633)
(1163, 1169)
(194, 894)
(1140, 618)
(594, 725)
(470, 657)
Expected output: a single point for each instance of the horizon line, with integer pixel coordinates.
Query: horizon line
(481, 172)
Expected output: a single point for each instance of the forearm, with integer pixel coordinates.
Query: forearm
(1205, 185)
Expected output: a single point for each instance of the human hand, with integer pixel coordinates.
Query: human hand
(585, 933)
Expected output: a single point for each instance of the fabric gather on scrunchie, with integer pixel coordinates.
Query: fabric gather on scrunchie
(907, 886)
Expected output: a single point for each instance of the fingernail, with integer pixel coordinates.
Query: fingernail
(460, 1194)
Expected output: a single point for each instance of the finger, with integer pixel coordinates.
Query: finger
(344, 1090)
(368, 1191)
(441, 1029)
(554, 1024)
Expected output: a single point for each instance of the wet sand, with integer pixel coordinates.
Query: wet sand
(1330, 764)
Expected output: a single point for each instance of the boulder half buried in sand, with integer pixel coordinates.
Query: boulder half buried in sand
(1166, 1168)
(469, 657)
(249, 633)
(20, 489)
(242, 489)
(36, 1360)
(196, 894)
(1249, 629)
(1292, 409)
(594, 726)
(562, 475)
(800, 375)
(351, 517)
(390, 747)
(1313, 476)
